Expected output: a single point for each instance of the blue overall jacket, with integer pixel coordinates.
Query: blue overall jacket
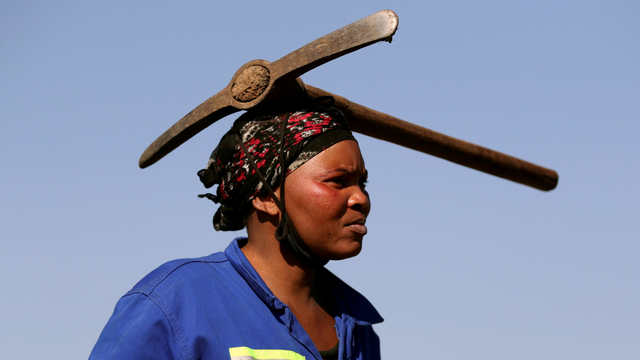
(218, 307)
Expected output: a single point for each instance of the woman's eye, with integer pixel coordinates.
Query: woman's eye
(363, 183)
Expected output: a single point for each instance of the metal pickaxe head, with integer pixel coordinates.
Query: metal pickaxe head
(261, 83)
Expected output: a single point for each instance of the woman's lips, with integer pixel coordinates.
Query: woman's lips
(358, 228)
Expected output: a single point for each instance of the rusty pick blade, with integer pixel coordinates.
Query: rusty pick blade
(277, 79)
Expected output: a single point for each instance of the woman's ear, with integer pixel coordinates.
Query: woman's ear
(266, 204)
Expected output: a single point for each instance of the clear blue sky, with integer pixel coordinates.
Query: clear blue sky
(462, 265)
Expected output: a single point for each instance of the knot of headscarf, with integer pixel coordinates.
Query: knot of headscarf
(308, 132)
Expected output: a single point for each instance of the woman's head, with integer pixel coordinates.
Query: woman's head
(325, 216)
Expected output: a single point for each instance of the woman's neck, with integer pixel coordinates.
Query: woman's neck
(279, 269)
(292, 283)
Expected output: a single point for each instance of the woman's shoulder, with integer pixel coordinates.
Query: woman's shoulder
(183, 273)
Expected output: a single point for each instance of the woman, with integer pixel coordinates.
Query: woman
(266, 296)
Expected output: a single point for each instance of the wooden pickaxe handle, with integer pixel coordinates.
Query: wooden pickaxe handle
(381, 126)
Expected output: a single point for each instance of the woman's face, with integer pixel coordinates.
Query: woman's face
(327, 201)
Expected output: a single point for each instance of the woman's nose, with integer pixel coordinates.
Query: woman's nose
(360, 199)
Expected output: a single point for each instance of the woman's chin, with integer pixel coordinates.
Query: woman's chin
(345, 253)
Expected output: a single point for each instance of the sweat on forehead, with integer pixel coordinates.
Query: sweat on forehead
(308, 132)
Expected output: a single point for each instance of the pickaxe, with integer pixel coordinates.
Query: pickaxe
(260, 82)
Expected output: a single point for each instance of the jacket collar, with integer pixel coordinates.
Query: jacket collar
(347, 300)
